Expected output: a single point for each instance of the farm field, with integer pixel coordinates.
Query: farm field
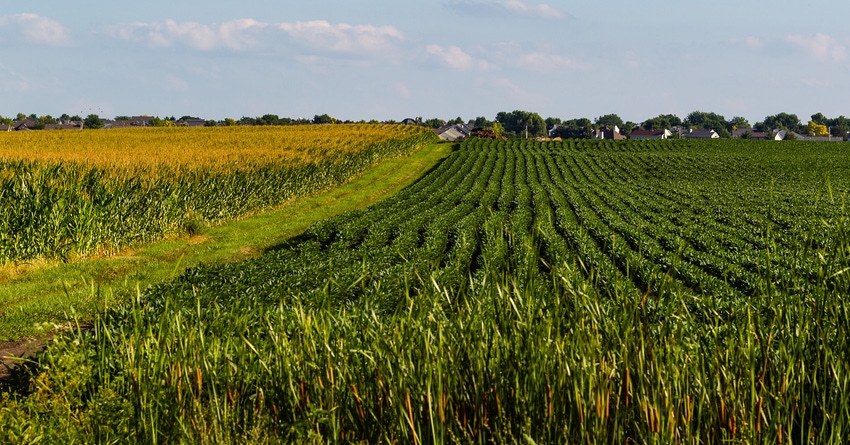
(73, 194)
(548, 292)
(36, 298)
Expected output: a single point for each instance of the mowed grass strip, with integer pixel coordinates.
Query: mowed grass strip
(42, 298)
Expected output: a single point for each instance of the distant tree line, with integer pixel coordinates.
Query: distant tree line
(521, 124)
(515, 124)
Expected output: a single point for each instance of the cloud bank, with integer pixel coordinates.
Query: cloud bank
(34, 28)
(507, 8)
(819, 47)
(249, 34)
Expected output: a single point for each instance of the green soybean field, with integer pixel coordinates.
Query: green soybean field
(521, 292)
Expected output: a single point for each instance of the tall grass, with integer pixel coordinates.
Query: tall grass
(171, 182)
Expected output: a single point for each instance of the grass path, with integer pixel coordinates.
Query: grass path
(43, 298)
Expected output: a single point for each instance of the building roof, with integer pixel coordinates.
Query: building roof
(454, 132)
(648, 132)
(607, 133)
(703, 134)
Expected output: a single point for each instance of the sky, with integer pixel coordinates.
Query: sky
(382, 59)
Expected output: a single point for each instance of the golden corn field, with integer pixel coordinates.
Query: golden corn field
(67, 193)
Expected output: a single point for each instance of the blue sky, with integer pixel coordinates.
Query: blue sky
(380, 59)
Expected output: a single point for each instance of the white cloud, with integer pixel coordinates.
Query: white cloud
(401, 90)
(234, 35)
(456, 58)
(819, 47)
(551, 63)
(177, 83)
(342, 37)
(748, 42)
(817, 83)
(508, 8)
(13, 81)
(248, 34)
(37, 29)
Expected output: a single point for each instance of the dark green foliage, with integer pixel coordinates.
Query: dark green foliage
(519, 124)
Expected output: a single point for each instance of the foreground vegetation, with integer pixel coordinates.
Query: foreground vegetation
(654, 292)
(67, 194)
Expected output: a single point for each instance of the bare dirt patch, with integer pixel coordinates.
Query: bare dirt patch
(13, 353)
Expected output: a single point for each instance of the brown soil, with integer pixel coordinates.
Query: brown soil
(12, 353)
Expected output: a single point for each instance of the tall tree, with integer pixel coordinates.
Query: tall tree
(610, 121)
(93, 121)
(519, 123)
(702, 120)
(739, 122)
(581, 128)
(783, 121)
(816, 129)
(482, 122)
(323, 119)
(661, 122)
(820, 119)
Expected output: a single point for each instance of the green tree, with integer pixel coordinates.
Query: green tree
(662, 122)
(739, 122)
(581, 128)
(610, 121)
(229, 122)
(267, 119)
(820, 119)
(519, 123)
(93, 121)
(783, 121)
(434, 123)
(20, 117)
(323, 119)
(702, 120)
(482, 122)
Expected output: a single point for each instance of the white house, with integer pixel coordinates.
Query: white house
(457, 132)
(607, 133)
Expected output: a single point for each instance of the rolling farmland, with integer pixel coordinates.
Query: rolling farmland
(580, 292)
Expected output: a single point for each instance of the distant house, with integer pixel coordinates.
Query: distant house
(456, 132)
(65, 126)
(193, 122)
(650, 134)
(410, 121)
(702, 134)
(749, 133)
(26, 124)
(607, 133)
